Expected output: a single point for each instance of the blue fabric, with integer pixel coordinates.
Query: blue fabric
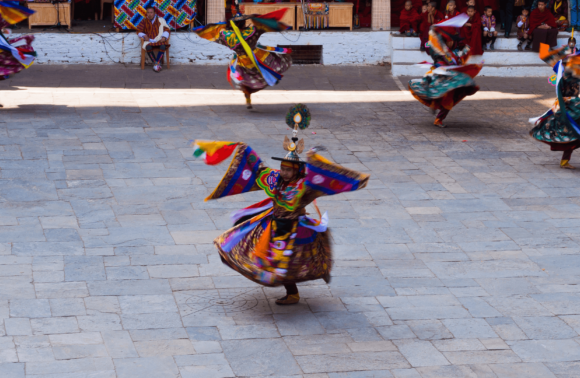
(574, 12)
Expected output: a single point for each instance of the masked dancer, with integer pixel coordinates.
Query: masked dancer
(253, 66)
(14, 59)
(279, 244)
(559, 126)
(449, 79)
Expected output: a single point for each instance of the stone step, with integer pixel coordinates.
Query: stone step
(504, 57)
(413, 43)
(532, 70)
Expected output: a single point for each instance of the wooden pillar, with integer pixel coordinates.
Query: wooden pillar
(215, 11)
(381, 17)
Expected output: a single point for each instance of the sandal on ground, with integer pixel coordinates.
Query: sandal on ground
(288, 300)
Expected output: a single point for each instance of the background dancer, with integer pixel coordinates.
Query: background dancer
(450, 79)
(253, 67)
(280, 245)
(558, 127)
(14, 59)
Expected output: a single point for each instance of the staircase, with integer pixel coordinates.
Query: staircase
(506, 60)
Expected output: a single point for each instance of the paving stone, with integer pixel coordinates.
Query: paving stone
(259, 357)
(531, 370)
(159, 334)
(420, 353)
(469, 328)
(12, 370)
(546, 350)
(395, 332)
(145, 321)
(45, 326)
(298, 324)
(447, 372)
(482, 357)
(18, 327)
(542, 328)
(67, 307)
(429, 329)
(147, 304)
(30, 308)
(154, 348)
(159, 367)
(82, 365)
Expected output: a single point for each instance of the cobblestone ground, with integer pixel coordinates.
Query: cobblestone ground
(460, 259)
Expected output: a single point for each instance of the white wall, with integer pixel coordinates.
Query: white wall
(340, 48)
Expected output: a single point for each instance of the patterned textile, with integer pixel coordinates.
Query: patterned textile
(177, 13)
(449, 81)
(9, 64)
(13, 13)
(316, 15)
(151, 30)
(282, 245)
(556, 126)
(271, 63)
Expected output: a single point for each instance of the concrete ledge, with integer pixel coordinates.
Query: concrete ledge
(501, 71)
(340, 48)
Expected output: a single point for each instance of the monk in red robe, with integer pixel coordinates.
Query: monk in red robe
(451, 10)
(431, 17)
(154, 32)
(478, 7)
(471, 31)
(543, 27)
(409, 20)
(459, 4)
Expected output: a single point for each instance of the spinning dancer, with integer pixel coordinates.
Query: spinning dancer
(559, 126)
(253, 67)
(14, 59)
(279, 244)
(450, 79)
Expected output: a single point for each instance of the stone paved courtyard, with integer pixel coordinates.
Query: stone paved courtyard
(460, 259)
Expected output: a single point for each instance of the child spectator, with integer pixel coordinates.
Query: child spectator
(471, 31)
(459, 4)
(523, 24)
(451, 10)
(432, 16)
(489, 32)
(409, 20)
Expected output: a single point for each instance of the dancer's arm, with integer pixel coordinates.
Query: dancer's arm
(243, 171)
(325, 178)
(211, 32)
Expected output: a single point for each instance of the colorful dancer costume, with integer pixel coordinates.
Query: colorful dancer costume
(559, 126)
(279, 244)
(14, 59)
(450, 79)
(253, 66)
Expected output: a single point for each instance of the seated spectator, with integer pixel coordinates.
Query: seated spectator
(523, 24)
(471, 31)
(451, 10)
(543, 28)
(560, 12)
(459, 4)
(150, 32)
(489, 32)
(432, 16)
(409, 20)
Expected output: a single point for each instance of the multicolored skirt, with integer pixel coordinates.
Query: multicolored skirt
(273, 252)
(246, 77)
(8, 64)
(443, 91)
(553, 129)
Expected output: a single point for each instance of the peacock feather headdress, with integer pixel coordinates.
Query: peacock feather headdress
(298, 117)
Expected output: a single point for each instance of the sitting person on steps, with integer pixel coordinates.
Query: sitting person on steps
(154, 32)
(489, 32)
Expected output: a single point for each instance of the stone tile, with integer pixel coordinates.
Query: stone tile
(469, 328)
(532, 370)
(563, 369)
(45, 326)
(447, 372)
(259, 357)
(119, 344)
(298, 324)
(12, 370)
(420, 313)
(147, 304)
(18, 327)
(543, 328)
(420, 353)
(429, 329)
(83, 365)
(146, 321)
(158, 367)
(240, 332)
(130, 287)
(164, 348)
(318, 344)
(159, 334)
(547, 350)
(482, 357)
(67, 307)
(30, 308)
(454, 345)
(396, 332)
